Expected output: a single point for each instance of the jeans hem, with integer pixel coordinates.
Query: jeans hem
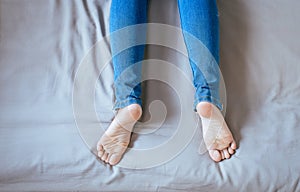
(126, 102)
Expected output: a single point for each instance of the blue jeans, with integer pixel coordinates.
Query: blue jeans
(198, 18)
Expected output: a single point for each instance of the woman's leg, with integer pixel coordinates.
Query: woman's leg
(127, 76)
(127, 69)
(199, 21)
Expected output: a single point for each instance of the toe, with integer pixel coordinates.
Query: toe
(100, 154)
(233, 145)
(107, 158)
(226, 154)
(99, 146)
(222, 154)
(215, 155)
(230, 150)
(114, 159)
(104, 157)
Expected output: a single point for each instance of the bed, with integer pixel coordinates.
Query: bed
(44, 146)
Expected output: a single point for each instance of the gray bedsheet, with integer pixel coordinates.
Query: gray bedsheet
(42, 44)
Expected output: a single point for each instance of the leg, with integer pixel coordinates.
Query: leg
(199, 18)
(127, 76)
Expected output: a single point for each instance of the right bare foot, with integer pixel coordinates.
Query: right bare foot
(116, 138)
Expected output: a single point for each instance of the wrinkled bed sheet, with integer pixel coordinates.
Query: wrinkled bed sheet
(42, 44)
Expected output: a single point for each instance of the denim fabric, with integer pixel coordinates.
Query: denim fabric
(125, 13)
(199, 18)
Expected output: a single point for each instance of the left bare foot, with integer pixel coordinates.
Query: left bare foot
(216, 134)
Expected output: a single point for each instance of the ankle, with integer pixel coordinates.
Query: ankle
(205, 109)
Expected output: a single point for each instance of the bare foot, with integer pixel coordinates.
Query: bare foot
(116, 138)
(216, 134)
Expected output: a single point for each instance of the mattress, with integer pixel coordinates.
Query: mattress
(49, 123)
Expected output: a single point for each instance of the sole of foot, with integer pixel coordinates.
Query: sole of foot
(114, 142)
(216, 134)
